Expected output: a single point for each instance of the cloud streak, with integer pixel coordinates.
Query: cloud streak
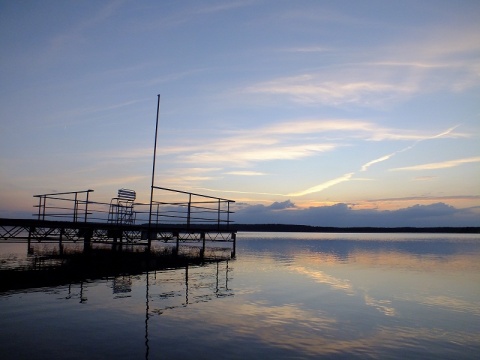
(246, 173)
(314, 89)
(364, 167)
(387, 157)
(324, 185)
(287, 141)
(439, 165)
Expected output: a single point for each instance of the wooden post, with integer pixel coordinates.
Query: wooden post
(75, 208)
(177, 244)
(234, 249)
(60, 244)
(87, 238)
(29, 248)
(121, 238)
(202, 250)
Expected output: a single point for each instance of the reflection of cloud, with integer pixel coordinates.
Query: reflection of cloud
(408, 261)
(347, 287)
(451, 304)
(380, 305)
(313, 334)
(321, 277)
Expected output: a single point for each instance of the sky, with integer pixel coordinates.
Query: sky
(327, 113)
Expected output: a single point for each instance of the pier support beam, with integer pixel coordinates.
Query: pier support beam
(29, 240)
(60, 241)
(234, 247)
(177, 245)
(87, 240)
(202, 250)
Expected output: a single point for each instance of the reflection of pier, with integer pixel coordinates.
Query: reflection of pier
(162, 288)
(173, 217)
(54, 269)
(120, 239)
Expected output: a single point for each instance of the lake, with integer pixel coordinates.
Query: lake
(285, 296)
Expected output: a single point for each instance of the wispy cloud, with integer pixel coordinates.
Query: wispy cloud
(424, 178)
(428, 198)
(269, 153)
(380, 159)
(324, 185)
(118, 181)
(245, 173)
(286, 141)
(388, 74)
(445, 133)
(309, 126)
(364, 167)
(439, 165)
(314, 88)
(239, 192)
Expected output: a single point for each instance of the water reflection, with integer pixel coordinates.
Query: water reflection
(424, 288)
(165, 291)
(281, 298)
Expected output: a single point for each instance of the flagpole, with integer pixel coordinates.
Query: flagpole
(153, 176)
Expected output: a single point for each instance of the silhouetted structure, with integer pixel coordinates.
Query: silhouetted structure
(73, 217)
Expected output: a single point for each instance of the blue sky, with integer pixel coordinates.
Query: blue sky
(327, 113)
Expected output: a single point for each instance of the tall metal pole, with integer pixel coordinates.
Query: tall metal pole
(153, 177)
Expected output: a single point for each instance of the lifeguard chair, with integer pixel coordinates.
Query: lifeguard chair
(121, 207)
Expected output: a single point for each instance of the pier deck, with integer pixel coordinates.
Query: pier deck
(48, 231)
(71, 217)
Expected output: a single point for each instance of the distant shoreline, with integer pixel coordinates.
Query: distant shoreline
(366, 229)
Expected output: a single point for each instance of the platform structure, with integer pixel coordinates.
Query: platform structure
(174, 217)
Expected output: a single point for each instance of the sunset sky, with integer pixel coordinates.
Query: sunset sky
(332, 113)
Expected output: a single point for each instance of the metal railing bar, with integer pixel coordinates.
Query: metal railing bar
(191, 193)
(64, 193)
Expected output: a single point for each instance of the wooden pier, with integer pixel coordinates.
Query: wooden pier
(171, 216)
(174, 217)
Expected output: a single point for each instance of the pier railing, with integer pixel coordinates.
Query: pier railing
(169, 208)
(173, 206)
(69, 206)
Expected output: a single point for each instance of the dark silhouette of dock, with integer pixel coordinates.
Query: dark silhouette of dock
(171, 216)
(175, 217)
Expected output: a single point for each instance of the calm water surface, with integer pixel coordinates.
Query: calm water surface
(286, 296)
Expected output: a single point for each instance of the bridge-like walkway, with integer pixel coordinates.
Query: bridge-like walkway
(74, 217)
